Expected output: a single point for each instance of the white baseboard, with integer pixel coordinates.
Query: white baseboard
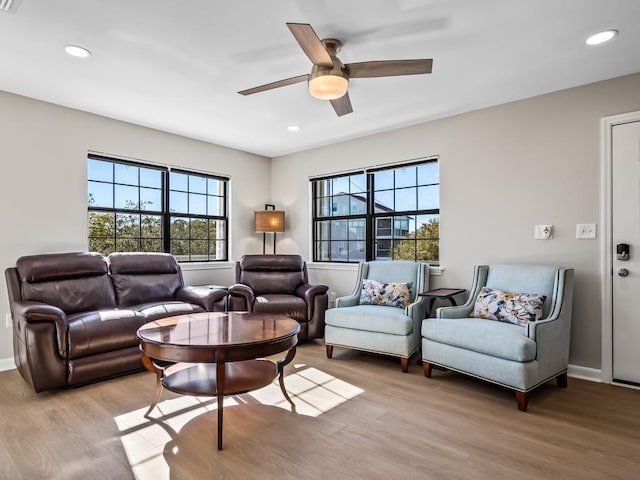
(7, 364)
(585, 373)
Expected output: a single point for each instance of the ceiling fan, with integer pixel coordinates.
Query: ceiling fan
(329, 77)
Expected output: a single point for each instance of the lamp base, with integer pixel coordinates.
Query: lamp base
(264, 243)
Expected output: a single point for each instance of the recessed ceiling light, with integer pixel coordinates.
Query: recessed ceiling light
(293, 128)
(601, 37)
(77, 51)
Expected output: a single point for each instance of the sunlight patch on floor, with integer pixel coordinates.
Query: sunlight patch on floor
(145, 439)
(312, 391)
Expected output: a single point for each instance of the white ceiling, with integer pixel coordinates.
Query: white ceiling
(177, 65)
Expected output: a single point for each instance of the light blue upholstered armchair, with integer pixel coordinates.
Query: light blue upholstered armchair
(517, 356)
(389, 330)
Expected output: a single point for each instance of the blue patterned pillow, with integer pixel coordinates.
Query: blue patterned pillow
(517, 308)
(386, 294)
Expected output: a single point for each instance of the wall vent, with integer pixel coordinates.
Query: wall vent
(9, 6)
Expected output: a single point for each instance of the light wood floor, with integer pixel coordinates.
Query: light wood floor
(359, 417)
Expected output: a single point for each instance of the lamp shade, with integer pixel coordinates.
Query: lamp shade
(268, 221)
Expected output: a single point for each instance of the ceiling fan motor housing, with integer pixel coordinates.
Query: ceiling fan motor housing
(329, 83)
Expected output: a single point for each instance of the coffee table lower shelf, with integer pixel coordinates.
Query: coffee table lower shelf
(201, 379)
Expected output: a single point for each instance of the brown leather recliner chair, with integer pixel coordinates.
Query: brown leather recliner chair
(280, 284)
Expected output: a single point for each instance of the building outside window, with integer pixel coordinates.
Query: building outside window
(147, 208)
(388, 213)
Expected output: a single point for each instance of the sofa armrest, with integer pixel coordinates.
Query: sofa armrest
(461, 311)
(552, 337)
(309, 293)
(207, 298)
(241, 297)
(480, 273)
(553, 334)
(553, 328)
(348, 301)
(38, 312)
(532, 328)
(418, 309)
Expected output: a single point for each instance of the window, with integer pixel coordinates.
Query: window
(146, 208)
(383, 214)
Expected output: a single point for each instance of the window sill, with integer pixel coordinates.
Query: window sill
(436, 271)
(191, 266)
(333, 266)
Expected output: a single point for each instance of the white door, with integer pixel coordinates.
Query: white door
(625, 143)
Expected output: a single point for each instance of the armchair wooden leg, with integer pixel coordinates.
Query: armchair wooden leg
(428, 368)
(521, 398)
(404, 363)
(562, 380)
(329, 350)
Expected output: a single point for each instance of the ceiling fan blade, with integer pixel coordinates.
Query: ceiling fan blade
(342, 105)
(389, 68)
(279, 83)
(310, 43)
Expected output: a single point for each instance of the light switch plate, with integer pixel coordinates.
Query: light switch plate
(586, 231)
(543, 232)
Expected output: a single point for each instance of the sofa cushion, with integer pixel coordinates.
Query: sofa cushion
(372, 318)
(393, 294)
(73, 282)
(288, 305)
(272, 274)
(397, 271)
(498, 339)
(102, 330)
(518, 308)
(145, 277)
(155, 310)
(525, 278)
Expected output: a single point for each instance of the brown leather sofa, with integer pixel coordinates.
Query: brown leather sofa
(280, 284)
(75, 315)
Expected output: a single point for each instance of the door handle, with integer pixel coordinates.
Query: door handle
(622, 251)
(623, 272)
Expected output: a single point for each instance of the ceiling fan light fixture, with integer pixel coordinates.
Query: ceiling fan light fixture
(328, 85)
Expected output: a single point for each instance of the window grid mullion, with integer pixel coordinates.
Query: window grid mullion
(164, 214)
(371, 217)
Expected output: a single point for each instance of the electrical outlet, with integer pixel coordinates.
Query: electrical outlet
(586, 231)
(7, 320)
(332, 299)
(543, 232)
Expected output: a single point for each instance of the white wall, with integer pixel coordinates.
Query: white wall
(502, 170)
(43, 184)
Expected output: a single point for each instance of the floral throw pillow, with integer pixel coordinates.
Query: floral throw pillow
(386, 294)
(518, 308)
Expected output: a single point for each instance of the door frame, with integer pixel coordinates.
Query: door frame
(607, 124)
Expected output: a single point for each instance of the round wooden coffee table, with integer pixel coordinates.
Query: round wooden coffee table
(227, 350)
